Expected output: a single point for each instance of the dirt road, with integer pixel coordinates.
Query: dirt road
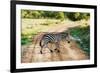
(68, 51)
(63, 27)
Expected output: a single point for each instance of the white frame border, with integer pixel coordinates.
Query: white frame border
(20, 65)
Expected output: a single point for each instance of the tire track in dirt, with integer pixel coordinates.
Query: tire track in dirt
(68, 51)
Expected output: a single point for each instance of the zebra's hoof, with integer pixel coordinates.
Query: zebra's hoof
(41, 52)
(51, 51)
(55, 49)
(58, 51)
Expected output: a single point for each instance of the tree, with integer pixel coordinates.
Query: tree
(60, 15)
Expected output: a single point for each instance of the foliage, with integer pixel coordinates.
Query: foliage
(25, 39)
(74, 16)
(82, 33)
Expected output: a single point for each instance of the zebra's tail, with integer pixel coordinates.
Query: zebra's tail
(39, 38)
(40, 43)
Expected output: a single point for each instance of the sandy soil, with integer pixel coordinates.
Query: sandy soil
(68, 51)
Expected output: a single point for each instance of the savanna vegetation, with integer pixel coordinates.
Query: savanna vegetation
(83, 34)
(74, 16)
(40, 21)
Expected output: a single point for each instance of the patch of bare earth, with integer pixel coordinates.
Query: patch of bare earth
(68, 51)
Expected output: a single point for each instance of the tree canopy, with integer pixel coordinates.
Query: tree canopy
(38, 14)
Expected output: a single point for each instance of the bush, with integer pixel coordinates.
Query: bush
(36, 14)
(83, 33)
(25, 39)
(75, 16)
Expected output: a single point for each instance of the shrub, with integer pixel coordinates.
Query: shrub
(75, 16)
(83, 33)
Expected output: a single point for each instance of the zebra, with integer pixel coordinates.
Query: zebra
(53, 38)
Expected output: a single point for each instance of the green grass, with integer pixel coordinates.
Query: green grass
(27, 38)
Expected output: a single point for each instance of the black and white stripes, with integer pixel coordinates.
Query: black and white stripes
(53, 38)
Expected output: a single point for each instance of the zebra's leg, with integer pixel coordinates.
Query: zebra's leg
(57, 46)
(41, 50)
(42, 47)
(57, 50)
(50, 49)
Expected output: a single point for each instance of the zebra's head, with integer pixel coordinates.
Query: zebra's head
(66, 36)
